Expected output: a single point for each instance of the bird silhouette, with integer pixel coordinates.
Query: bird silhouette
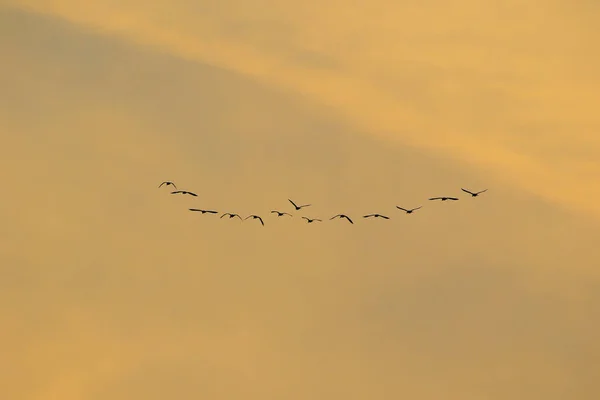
(311, 220)
(408, 211)
(298, 207)
(184, 192)
(443, 198)
(231, 215)
(255, 217)
(473, 194)
(376, 216)
(342, 216)
(279, 213)
(203, 211)
(167, 183)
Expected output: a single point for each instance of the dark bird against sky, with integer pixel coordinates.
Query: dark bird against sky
(203, 211)
(342, 216)
(443, 198)
(473, 194)
(311, 220)
(408, 211)
(231, 215)
(279, 213)
(184, 192)
(255, 217)
(298, 207)
(167, 183)
(376, 216)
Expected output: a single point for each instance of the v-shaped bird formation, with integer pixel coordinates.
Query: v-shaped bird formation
(297, 207)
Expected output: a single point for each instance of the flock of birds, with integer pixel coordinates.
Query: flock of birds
(299, 207)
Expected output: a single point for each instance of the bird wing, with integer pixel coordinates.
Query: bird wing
(249, 216)
(335, 216)
(317, 220)
(348, 218)
(273, 211)
(452, 198)
(176, 192)
(368, 215)
(211, 211)
(159, 186)
(482, 191)
(287, 214)
(261, 221)
(435, 198)
(193, 194)
(304, 205)
(466, 191)
(414, 209)
(305, 218)
(384, 217)
(224, 215)
(294, 204)
(400, 208)
(194, 209)
(235, 215)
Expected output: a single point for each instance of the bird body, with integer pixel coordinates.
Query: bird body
(298, 207)
(311, 220)
(408, 211)
(184, 192)
(473, 194)
(443, 198)
(279, 213)
(231, 215)
(203, 211)
(375, 216)
(342, 216)
(167, 183)
(255, 217)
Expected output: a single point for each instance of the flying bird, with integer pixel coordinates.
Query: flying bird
(298, 207)
(443, 198)
(203, 211)
(375, 215)
(184, 192)
(255, 217)
(311, 220)
(231, 215)
(279, 213)
(408, 211)
(342, 216)
(473, 194)
(167, 183)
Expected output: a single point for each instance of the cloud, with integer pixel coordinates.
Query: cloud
(112, 289)
(463, 80)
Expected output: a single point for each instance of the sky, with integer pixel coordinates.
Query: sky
(111, 288)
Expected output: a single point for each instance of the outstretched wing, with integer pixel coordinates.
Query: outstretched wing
(384, 217)
(294, 204)
(403, 209)
(452, 198)
(261, 221)
(335, 216)
(159, 186)
(235, 215)
(348, 218)
(481, 191)
(466, 191)
(414, 209)
(176, 192)
(436, 198)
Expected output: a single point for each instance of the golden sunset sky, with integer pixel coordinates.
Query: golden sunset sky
(111, 289)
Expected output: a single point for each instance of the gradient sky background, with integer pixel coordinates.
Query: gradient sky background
(111, 289)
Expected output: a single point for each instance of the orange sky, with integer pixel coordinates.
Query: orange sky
(112, 289)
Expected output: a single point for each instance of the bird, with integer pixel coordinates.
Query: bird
(203, 211)
(311, 220)
(473, 194)
(298, 207)
(342, 216)
(255, 217)
(231, 215)
(443, 198)
(279, 213)
(376, 216)
(184, 192)
(408, 211)
(167, 183)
